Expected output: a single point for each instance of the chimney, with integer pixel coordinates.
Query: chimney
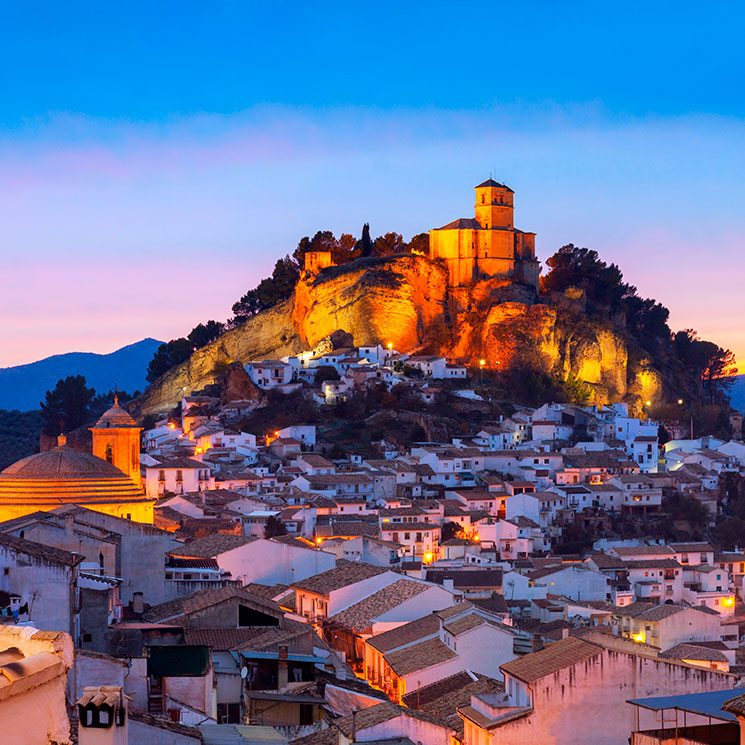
(102, 711)
(283, 673)
(449, 584)
(138, 604)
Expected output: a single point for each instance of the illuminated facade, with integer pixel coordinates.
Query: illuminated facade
(314, 261)
(107, 481)
(116, 439)
(488, 245)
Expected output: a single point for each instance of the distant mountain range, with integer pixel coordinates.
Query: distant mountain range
(23, 387)
(737, 393)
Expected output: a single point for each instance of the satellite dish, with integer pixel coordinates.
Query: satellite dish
(244, 672)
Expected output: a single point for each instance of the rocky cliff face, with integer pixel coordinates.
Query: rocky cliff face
(405, 300)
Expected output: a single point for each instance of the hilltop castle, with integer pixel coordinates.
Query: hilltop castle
(489, 245)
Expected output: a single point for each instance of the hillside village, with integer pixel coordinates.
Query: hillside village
(421, 595)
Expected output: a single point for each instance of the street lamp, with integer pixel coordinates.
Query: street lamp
(481, 370)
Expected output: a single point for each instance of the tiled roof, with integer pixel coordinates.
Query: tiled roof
(555, 657)
(407, 633)
(211, 546)
(467, 577)
(735, 705)
(361, 616)
(607, 561)
(623, 551)
(443, 698)
(653, 612)
(256, 638)
(686, 547)
(40, 550)
(471, 621)
(343, 574)
(202, 599)
(691, 651)
(463, 223)
(419, 656)
(652, 564)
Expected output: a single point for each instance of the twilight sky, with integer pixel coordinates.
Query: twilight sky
(154, 163)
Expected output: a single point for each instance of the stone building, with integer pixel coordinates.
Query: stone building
(64, 476)
(116, 439)
(488, 245)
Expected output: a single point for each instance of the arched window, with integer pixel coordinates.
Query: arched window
(100, 559)
(109, 453)
(483, 198)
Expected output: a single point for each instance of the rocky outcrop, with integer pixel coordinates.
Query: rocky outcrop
(268, 335)
(377, 300)
(238, 386)
(405, 301)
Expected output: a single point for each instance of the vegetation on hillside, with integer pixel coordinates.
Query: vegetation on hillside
(19, 435)
(607, 296)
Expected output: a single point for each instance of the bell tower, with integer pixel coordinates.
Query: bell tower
(116, 439)
(494, 206)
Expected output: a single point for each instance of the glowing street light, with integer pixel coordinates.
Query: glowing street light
(481, 370)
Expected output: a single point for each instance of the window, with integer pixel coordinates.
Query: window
(179, 475)
(161, 475)
(109, 453)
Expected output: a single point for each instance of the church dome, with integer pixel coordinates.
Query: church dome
(64, 476)
(116, 416)
(62, 461)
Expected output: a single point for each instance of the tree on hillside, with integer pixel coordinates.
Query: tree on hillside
(167, 356)
(274, 527)
(571, 266)
(66, 406)
(420, 244)
(204, 333)
(389, 244)
(715, 367)
(450, 530)
(270, 291)
(365, 244)
(325, 372)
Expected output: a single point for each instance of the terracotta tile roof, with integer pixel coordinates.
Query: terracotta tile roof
(453, 610)
(652, 564)
(555, 657)
(694, 547)
(256, 638)
(442, 699)
(40, 550)
(419, 698)
(462, 578)
(183, 606)
(623, 551)
(461, 625)
(211, 546)
(607, 561)
(407, 633)
(419, 656)
(691, 651)
(360, 616)
(344, 574)
(735, 705)
(166, 724)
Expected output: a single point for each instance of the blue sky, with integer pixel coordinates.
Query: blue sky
(154, 162)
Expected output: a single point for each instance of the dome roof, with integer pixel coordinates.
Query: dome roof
(63, 461)
(65, 476)
(116, 416)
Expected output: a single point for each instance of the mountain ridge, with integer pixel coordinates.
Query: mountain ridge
(22, 387)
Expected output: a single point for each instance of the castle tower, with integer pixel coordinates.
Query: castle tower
(116, 439)
(494, 206)
(487, 245)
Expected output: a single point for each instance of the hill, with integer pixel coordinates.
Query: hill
(405, 300)
(23, 387)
